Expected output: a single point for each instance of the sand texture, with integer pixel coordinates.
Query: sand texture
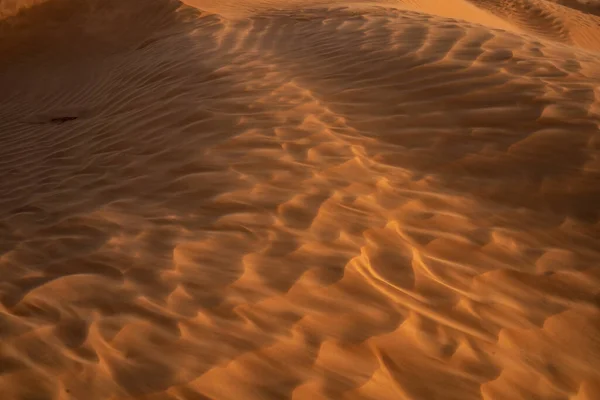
(300, 199)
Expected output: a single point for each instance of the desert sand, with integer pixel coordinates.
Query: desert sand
(300, 199)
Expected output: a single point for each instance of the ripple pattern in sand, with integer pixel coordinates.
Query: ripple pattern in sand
(339, 203)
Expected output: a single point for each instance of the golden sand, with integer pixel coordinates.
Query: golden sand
(300, 199)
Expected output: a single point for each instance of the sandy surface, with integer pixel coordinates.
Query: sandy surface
(300, 199)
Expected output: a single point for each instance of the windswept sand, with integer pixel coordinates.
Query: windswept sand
(300, 199)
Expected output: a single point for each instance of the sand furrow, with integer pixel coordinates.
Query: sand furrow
(298, 201)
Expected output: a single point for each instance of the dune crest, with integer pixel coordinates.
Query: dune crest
(299, 200)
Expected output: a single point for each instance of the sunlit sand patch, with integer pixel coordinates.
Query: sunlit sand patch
(304, 199)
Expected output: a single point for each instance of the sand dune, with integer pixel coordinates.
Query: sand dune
(303, 199)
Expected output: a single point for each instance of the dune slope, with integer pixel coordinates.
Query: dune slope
(299, 200)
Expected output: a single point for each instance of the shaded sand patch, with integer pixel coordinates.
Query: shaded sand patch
(345, 203)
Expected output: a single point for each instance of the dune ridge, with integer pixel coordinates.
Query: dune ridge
(299, 200)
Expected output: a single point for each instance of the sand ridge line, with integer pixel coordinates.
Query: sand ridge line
(348, 203)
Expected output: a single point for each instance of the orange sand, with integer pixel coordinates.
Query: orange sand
(300, 199)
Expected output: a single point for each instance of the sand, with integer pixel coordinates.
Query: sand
(300, 199)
